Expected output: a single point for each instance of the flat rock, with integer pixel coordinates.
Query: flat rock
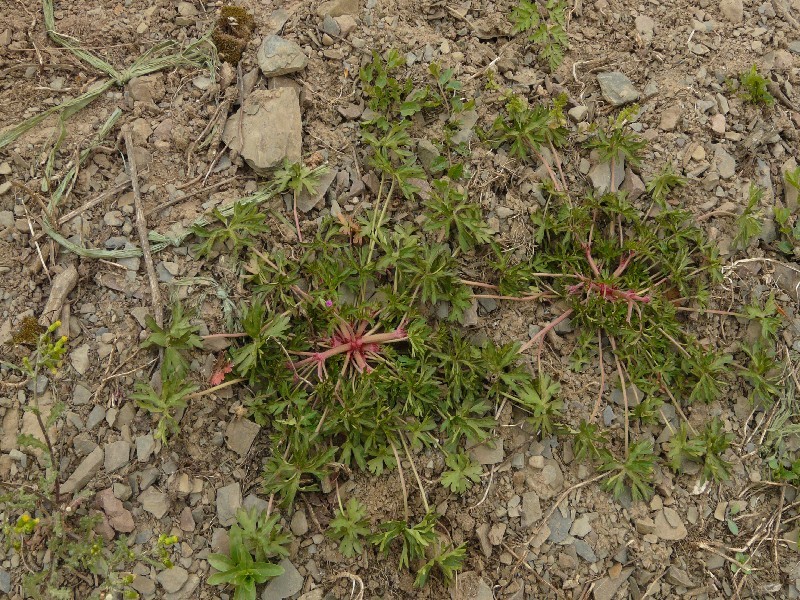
(670, 118)
(286, 585)
(79, 358)
(306, 201)
(155, 502)
(271, 129)
(145, 444)
(617, 88)
(173, 579)
(337, 8)
(277, 56)
(724, 162)
(117, 455)
(118, 516)
(531, 509)
(600, 176)
(239, 435)
(669, 525)
(608, 586)
(229, 499)
(490, 453)
(559, 527)
(86, 470)
(644, 27)
(299, 523)
(581, 527)
(732, 10)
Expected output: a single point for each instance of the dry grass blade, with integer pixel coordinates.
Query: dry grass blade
(151, 61)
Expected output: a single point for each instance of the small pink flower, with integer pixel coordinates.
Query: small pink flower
(328, 303)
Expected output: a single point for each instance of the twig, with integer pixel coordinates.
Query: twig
(544, 331)
(356, 580)
(416, 475)
(622, 387)
(488, 487)
(211, 390)
(402, 480)
(209, 188)
(141, 226)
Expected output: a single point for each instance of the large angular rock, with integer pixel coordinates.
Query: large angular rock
(337, 8)
(277, 56)
(286, 585)
(271, 129)
(85, 471)
(617, 88)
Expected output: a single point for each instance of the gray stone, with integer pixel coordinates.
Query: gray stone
(581, 527)
(337, 8)
(633, 185)
(173, 579)
(96, 416)
(330, 26)
(85, 471)
(677, 576)
(670, 118)
(145, 444)
(585, 551)
(144, 585)
(531, 509)
(608, 415)
(600, 175)
(724, 162)
(239, 435)
(306, 201)
(347, 25)
(80, 358)
(669, 526)
(286, 585)
(490, 453)
(559, 527)
(794, 46)
(271, 129)
(578, 113)
(644, 27)
(155, 502)
(229, 499)
(277, 56)
(482, 533)
(276, 20)
(117, 455)
(299, 524)
(466, 123)
(427, 153)
(5, 581)
(732, 10)
(83, 444)
(607, 587)
(617, 88)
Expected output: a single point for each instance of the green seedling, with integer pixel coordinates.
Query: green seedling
(588, 441)
(349, 526)
(542, 403)
(634, 473)
(297, 177)
(236, 231)
(239, 570)
(545, 24)
(749, 222)
(261, 534)
(461, 473)
(166, 403)
(753, 88)
(178, 337)
(414, 539)
(447, 561)
(663, 183)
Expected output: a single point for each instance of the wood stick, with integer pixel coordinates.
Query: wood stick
(141, 226)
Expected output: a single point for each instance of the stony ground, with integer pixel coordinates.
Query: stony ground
(298, 83)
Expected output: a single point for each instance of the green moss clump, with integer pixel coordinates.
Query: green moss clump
(232, 33)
